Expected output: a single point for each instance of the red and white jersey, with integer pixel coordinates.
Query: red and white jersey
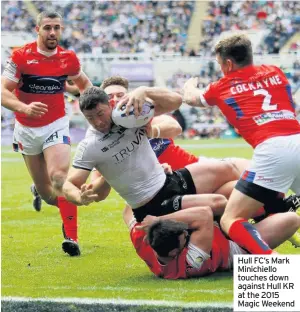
(257, 101)
(167, 152)
(179, 267)
(41, 77)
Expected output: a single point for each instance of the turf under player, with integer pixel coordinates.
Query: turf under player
(33, 83)
(257, 101)
(188, 243)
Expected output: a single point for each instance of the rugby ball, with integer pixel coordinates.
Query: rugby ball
(120, 118)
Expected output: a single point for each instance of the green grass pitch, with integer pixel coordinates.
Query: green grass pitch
(33, 264)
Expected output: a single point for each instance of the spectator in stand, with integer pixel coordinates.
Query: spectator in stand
(111, 26)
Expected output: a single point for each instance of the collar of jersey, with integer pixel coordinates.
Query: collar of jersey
(48, 54)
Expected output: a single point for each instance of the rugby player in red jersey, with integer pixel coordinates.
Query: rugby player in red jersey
(188, 243)
(257, 101)
(33, 83)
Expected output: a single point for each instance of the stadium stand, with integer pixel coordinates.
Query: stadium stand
(143, 40)
(113, 26)
(279, 20)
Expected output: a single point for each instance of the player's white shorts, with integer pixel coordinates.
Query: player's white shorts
(33, 140)
(276, 164)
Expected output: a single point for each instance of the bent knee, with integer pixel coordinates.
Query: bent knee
(233, 170)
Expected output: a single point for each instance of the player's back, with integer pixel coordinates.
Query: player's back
(257, 100)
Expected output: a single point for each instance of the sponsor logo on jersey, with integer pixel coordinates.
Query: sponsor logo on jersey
(131, 146)
(43, 84)
(273, 116)
(113, 130)
(159, 145)
(199, 260)
(64, 63)
(32, 62)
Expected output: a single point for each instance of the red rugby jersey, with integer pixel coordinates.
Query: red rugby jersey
(41, 78)
(257, 101)
(167, 152)
(179, 266)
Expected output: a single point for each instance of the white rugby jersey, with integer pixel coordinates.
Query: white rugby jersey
(125, 159)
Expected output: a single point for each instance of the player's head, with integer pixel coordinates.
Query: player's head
(233, 53)
(115, 87)
(48, 27)
(167, 237)
(94, 104)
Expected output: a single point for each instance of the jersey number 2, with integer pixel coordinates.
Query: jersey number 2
(266, 106)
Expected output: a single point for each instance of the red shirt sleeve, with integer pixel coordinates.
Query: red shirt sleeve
(208, 97)
(75, 67)
(13, 67)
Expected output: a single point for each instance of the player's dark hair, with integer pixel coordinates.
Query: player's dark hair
(91, 97)
(238, 48)
(114, 80)
(163, 236)
(47, 14)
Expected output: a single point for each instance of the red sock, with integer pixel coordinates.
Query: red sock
(68, 212)
(246, 236)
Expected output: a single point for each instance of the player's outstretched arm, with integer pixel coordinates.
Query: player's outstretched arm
(10, 101)
(191, 94)
(73, 188)
(188, 216)
(101, 188)
(163, 126)
(82, 82)
(163, 99)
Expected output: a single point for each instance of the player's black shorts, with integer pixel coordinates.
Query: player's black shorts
(168, 199)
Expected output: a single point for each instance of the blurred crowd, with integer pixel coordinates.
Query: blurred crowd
(111, 26)
(280, 18)
(161, 26)
(157, 26)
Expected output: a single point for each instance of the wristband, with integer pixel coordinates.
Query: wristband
(158, 132)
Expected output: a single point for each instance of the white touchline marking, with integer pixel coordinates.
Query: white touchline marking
(138, 289)
(122, 302)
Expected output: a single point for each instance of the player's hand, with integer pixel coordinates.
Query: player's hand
(190, 93)
(167, 168)
(136, 99)
(147, 222)
(36, 109)
(87, 194)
